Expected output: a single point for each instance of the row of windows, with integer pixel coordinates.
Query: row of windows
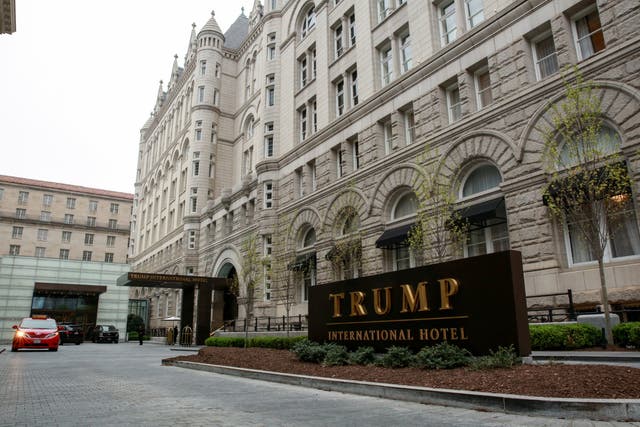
(40, 252)
(47, 201)
(42, 234)
(68, 218)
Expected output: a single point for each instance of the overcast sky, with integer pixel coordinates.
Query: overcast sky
(79, 78)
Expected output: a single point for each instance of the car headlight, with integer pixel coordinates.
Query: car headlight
(20, 334)
(51, 335)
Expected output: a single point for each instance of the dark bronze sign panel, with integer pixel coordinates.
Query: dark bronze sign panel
(477, 303)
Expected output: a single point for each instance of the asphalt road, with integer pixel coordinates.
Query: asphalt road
(125, 384)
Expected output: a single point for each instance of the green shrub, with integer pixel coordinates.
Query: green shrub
(133, 336)
(362, 356)
(442, 356)
(336, 355)
(309, 351)
(396, 357)
(224, 342)
(504, 357)
(564, 337)
(283, 343)
(627, 334)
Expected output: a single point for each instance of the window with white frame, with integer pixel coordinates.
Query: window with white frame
(86, 255)
(268, 146)
(64, 254)
(216, 97)
(47, 200)
(195, 163)
(16, 233)
(355, 154)
(354, 87)
(299, 184)
(308, 22)
(454, 106)
(40, 252)
(194, 200)
(217, 71)
(588, 33)
(268, 195)
(312, 175)
(88, 239)
(192, 239)
(339, 88)
(93, 206)
(200, 93)
(405, 52)
(111, 241)
(302, 116)
(474, 12)
(66, 237)
(606, 142)
(482, 178)
(267, 245)
(314, 116)
(384, 9)
(23, 197)
(271, 52)
(406, 206)
(45, 216)
(114, 208)
(266, 274)
(338, 156)
(14, 250)
(447, 19)
(249, 127)
(68, 218)
(112, 224)
(71, 203)
(43, 234)
(544, 56)
(302, 66)
(352, 29)
(409, 126)
(108, 257)
(338, 47)
(386, 64)
(483, 87)
(387, 135)
(21, 213)
(313, 64)
(203, 67)
(271, 96)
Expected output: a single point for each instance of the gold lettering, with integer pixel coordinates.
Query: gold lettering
(351, 335)
(434, 334)
(393, 335)
(424, 335)
(448, 288)
(401, 336)
(336, 303)
(384, 334)
(444, 333)
(357, 309)
(409, 300)
(462, 335)
(376, 301)
(454, 334)
(359, 335)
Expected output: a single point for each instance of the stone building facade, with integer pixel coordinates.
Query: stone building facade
(308, 123)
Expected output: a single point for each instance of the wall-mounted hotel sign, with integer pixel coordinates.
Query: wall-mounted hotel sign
(477, 303)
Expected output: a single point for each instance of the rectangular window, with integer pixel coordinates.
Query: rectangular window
(405, 52)
(483, 87)
(402, 258)
(409, 127)
(271, 52)
(355, 154)
(66, 237)
(312, 172)
(303, 123)
(387, 131)
(40, 252)
(23, 197)
(588, 34)
(47, 200)
(337, 41)
(454, 107)
(339, 161)
(200, 93)
(21, 213)
(299, 187)
(64, 253)
(314, 117)
(194, 200)
(268, 146)
(86, 255)
(198, 134)
(271, 96)
(195, 167)
(114, 208)
(93, 206)
(14, 250)
(43, 234)
(71, 203)
(203, 67)
(386, 65)
(313, 64)
(448, 26)
(45, 216)
(108, 257)
(354, 88)
(113, 224)
(88, 239)
(339, 98)
(111, 240)
(352, 29)
(303, 72)
(384, 9)
(475, 14)
(192, 239)
(16, 233)
(217, 71)
(91, 221)
(267, 245)
(544, 55)
(268, 195)
(267, 281)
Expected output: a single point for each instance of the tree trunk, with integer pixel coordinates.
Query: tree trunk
(604, 300)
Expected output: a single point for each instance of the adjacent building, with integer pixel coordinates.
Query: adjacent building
(7, 16)
(63, 247)
(310, 124)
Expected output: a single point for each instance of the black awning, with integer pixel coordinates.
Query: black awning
(303, 262)
(476, 216)
(589, 185)
(394, 237)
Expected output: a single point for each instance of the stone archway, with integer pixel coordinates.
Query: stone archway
(229, 299)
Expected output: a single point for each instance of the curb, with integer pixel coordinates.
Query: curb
(594, 409)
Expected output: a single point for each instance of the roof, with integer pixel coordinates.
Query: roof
(211, 25)
(237, 32)
(64, 187)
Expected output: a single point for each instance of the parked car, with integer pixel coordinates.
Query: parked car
(36, 332)
(105, 333)
(70, 333)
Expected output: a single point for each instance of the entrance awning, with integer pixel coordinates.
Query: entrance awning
(302, 262)
(174, 281)
(478, 215)
(394, 237)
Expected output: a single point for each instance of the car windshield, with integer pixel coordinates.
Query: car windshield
(38, 324)
(109, 328)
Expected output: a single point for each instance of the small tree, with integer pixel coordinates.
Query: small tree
(439, 230)
(590, 186)
(282, 277)
(346, 253)
(251, 276)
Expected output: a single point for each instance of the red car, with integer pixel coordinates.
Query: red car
(36, 332)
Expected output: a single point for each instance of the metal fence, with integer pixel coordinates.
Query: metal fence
(268, 323)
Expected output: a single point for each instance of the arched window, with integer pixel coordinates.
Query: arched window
(248, 129)
(308, 22)
(309, 238)
(350, 223)
(482, 178)
(606, 142)
(406, 205)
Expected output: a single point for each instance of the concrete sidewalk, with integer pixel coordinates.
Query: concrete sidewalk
(606, 357)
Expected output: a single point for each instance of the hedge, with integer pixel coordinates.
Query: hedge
(627, 334)
(281, 343)
(564, 337)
